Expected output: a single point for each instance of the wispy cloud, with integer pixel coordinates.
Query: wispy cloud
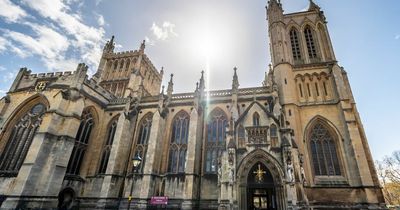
(397, 37)
(2, 68)
(59, 35)
(10, 11)
(164, 31)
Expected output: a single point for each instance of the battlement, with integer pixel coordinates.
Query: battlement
(48, 75)
(128, 53)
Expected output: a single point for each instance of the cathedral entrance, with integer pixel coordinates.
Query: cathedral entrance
(260, 189)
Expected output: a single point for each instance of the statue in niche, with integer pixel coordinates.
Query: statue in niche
(290, 171)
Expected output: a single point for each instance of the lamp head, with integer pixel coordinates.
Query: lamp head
(136, 161)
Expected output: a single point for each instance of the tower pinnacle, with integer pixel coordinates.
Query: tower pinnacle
(235, 80)
(109, 46)
(313, 6)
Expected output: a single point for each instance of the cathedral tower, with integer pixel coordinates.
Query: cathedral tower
(316, 99)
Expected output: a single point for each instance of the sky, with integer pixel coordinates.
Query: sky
(186, 37)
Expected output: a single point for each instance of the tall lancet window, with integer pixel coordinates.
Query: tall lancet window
(178, 145)
(294, 40)
(256, 119)
(215, 144)
(20, 139)
(107, 146)
(142, 139)
(81, 143)
(323, 151)
(308, 34)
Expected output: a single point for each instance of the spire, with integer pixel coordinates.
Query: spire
(109, 46)
(162, 90)
(268, 77)
(170, 87)
(202, 83)
(313, 6)
(142, 46)
(235, 81)
(162, 71)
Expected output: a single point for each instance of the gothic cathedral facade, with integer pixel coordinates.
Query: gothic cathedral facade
(295, 142)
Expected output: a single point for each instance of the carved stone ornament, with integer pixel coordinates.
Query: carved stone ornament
(40, 86)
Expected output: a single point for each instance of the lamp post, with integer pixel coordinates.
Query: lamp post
(136, 162)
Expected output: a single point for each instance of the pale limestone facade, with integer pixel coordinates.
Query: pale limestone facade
(263, 150)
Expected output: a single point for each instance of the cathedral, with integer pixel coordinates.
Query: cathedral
(119, 140)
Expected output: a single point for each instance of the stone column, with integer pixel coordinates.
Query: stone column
(192, 158)
(44, 167)
(153, 151)
(119, 156)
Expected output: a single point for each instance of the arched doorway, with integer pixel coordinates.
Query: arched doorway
(261, 193)
(260, 182)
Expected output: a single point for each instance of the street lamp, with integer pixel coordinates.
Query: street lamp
(136, 162)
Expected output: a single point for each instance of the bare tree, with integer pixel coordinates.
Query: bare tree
(389, 174)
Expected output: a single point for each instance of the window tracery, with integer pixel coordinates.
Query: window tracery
(178, 143)
(107, 147)
(20, 140)
(142, 140)
(215, 143)
(81, 143)
(294, 40)
(323, 151)
(311, 49)
(256, 119)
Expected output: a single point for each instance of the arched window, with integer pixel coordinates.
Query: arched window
(323, 151)
(294, 40)
(20, 140)
(308, 34)
(115, 65)
(241, 132)
(273, 131)
(215, 144)
(256, 119)
(81, 143)
(121, 65)
(107, 147)
(142, 139)
(241, 135)
(178, 145)
(128, 63)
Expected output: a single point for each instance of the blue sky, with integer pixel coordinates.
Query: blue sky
(188, 36)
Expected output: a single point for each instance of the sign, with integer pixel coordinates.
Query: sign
(159, 200)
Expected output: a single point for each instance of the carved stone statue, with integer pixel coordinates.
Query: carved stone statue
(289, 172)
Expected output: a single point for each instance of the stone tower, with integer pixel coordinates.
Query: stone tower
(314, 89)
(129, 73)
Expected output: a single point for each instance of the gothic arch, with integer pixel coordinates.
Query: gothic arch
(178, 141)
(105, 151)
(335, 153)
(324, 120)
(87, 130)
(216, 110)
(18, 112)
(141, 138)
(19, 135)
(25, 105)
(274, 167)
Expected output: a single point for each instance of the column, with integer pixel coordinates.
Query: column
(153, 151)
(192, 158)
